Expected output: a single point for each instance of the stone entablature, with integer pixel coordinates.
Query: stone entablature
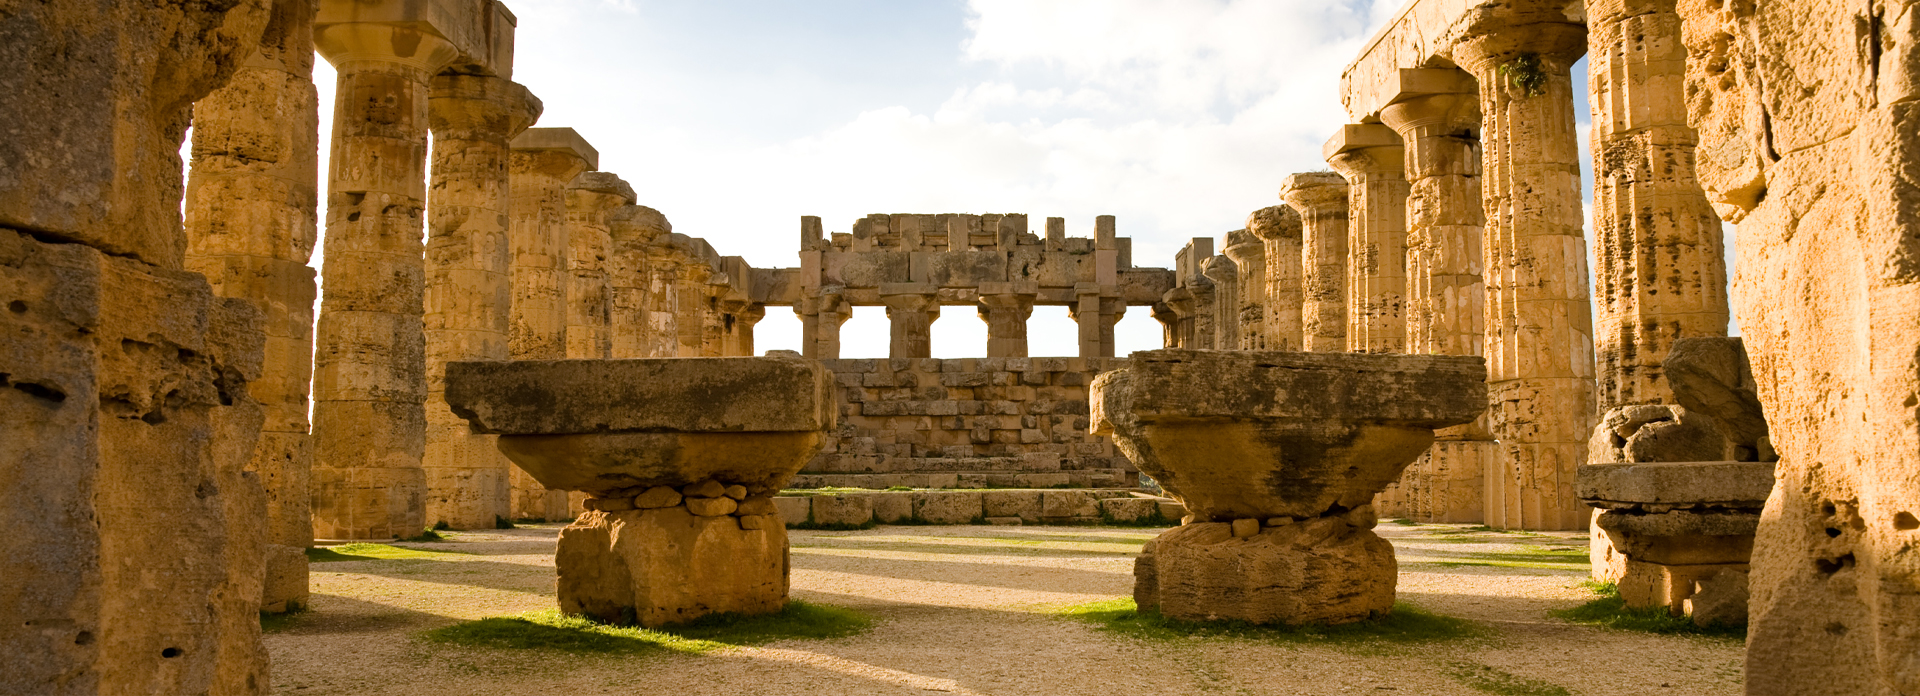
(984, 420)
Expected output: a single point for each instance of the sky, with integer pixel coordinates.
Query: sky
(735, 118)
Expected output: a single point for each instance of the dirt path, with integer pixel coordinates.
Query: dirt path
(964, 610)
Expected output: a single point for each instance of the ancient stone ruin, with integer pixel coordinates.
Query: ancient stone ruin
(184, 423)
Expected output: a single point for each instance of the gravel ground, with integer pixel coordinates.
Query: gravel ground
(966, 610)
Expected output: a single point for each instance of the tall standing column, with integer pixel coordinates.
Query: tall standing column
(543, 161)
(691, 310)
(1278, 228)
(1226, 301)
(742, 331)
(911, 315)
(1437, 117)
(251, 206)
(1249, 256)
(1539, 341)
(1661, 272)
(369, 367)
(1006, 316)
(1371, 158)
(468, 297)
(1321, 200)
(590, 197)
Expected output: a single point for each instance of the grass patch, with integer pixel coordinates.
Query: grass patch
(428, 535)
(275, 623)
(1493, 681)
(551, 630)
(1406, 624)
(1608, 610)
(1404, 522)
(829, 490)
(368, 552)
(899, 488)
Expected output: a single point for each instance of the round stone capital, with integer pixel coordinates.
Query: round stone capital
(1361, 165)
(1274, 222)
(1315, 193)
(1487, 47)
(347, 44)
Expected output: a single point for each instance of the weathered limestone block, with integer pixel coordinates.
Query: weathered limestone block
(1319, 571)
(666, 566)
(1299, 442)
(726, 433)
(848, 510)
(125, 403)
(1320, 199)
(1281, 277)
(1662, 529)
(1372, 159)
(1711, 376)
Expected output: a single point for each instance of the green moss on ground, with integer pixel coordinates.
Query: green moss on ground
(1494, 681)
(1608, 610)
(1406, 624)
(369, 552)
(551, 630)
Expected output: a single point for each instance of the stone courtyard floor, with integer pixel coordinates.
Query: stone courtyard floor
(971, 610)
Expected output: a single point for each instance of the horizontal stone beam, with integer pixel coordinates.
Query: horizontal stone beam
(558, 397)
(1421, 39)
(480, 31)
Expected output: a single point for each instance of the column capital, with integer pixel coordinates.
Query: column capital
(1361, 152)
(1220, 269)
(1273, 223)
(479, 104)
(915, 302)
(596, 194)
(637, 225)
(557, 145)
(1505, 40)
(411, 45)
(1179, 300)
(1315, 193)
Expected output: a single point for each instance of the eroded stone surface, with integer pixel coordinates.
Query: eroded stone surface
(1319, 571)
(665, 566)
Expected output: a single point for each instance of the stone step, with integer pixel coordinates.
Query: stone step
(1093, 478)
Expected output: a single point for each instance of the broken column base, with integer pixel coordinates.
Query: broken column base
(667, 565)
(285, 589)
(1326, 570)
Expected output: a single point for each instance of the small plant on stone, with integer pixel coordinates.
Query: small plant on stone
(1526, 76)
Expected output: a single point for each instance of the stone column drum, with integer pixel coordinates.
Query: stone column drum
(370, 361)
(1226, 298)
(1321, 200)
(591, 197)
(680, 459)
(634, 230)
(250, 210)
(1277, 457)
(1006, 316)
(910, 314)
(1281, 277)
(1373, 161)
(1539, 340)
(468, 295)
(1249, 257)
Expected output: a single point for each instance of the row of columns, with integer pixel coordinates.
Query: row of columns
(911, 312)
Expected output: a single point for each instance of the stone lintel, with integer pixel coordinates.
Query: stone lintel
(565, 139)
(558, 397)
(1728, 484)
(479, 33)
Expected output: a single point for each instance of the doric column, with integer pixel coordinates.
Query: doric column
(251, 203)
(911, 312)
(1226, 300)
(590, 197)
(1320, 198)
(690, 307)
(543, 161)
(1371, 158)
(744, 320)
(1436, 115)
(1280, 277)
(1112, 309)
(1177, 317)
(1661, 271)
(663, 281)
(1539, 341)
(1203, 317)
(1006, 317)
(1249, 256)
(820, 320)
(634, 230)
(468, 298)
(369, 381)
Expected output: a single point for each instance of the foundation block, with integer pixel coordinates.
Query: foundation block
(667, 565)
(1321, 571)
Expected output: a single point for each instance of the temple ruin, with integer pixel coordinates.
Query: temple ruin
(191, 407)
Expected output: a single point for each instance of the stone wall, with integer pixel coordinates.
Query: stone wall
(968, 423)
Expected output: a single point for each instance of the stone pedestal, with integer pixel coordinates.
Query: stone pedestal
(468, 296)
(1677, 534)
(1321, 200)
(1374, 163)
(1277, 457)
(678, 460)
(1282, 277)
(369, 367)
(251, 202)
